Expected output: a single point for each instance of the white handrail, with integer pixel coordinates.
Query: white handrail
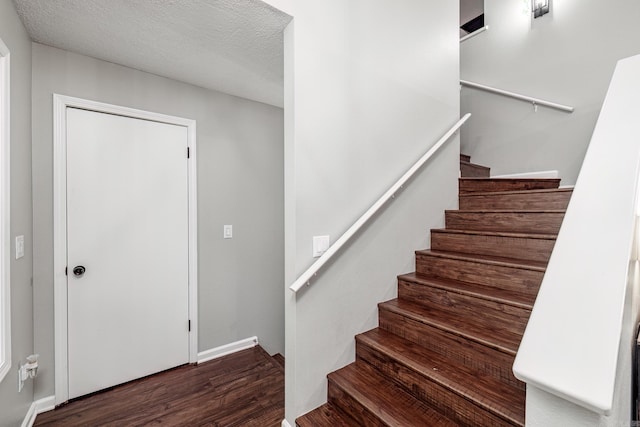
(534, 101)
(578, 328)
(305, 277)
(475, 33)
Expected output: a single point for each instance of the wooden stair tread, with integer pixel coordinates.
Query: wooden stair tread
(514, 211)
(468, 169)
(487, 259)
(509, 200)
(326, 415)
(484, 391)
(453, 321)
(499, 295)
(465, 158)
(498, 272)
(383, 398)
(468, 163)
(502, 193)
(523, 221)
(496, 233)
(463, 161)
(513, 179)
(517, 244)
(482, 184)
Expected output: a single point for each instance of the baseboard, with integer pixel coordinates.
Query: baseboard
(45, 404)
(224, 350)
(30, 418)
(541, 174)
(38, 407)
(285, 423)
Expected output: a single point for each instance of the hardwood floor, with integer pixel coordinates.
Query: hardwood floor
(242, 389)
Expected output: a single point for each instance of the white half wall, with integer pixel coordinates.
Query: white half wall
(370, 85)
(566, 56)
(579, 341)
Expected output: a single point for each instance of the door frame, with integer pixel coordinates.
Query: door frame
(60, 105)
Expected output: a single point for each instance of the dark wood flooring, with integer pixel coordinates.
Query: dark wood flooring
(242, 389)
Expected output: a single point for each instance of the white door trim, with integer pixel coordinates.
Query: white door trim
(60, 104)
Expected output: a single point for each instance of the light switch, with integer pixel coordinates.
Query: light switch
(320, 245)
(19, 246)
(227, 232)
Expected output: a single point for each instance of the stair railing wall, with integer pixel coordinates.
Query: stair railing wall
(536, 102)
(306, 277)
(576, 342)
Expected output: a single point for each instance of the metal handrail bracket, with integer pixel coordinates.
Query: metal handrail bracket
(305, 278)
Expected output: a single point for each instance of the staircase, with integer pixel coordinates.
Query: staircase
(443, 351)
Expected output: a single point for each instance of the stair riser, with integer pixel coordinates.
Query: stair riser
(518, 201)
(516, 247)
(517, 279)
(474, 355)
(516, 222)
(348, 404)
(493, 315)
(474, 171)
(476, 186)
(424, 388)
(465, 158)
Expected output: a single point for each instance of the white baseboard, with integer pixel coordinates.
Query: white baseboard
(38, 407)
(224, 350)
(285, 423)
(540, 174)
(30, 418)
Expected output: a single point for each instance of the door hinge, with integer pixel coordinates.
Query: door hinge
(189, 325)
(65, 271)
(188, 152)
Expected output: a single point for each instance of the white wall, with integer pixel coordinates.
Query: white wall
(369, 86)
(567, 56)
(240, 182)
(14, 405)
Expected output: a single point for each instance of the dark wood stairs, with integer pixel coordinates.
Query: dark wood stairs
(471, 169)
(443, 352)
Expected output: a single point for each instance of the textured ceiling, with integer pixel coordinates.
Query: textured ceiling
(234, 46)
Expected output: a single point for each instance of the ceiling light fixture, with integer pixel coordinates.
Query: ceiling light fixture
(539, 7)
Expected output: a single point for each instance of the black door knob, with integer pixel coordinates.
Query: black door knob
(78, 271)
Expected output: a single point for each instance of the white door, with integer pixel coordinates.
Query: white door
(127, 227)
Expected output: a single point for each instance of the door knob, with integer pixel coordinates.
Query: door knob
(78, 271)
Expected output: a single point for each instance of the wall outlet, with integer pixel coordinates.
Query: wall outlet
(28, 370)
(227, 232)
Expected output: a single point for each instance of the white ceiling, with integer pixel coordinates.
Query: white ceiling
(234, 46)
